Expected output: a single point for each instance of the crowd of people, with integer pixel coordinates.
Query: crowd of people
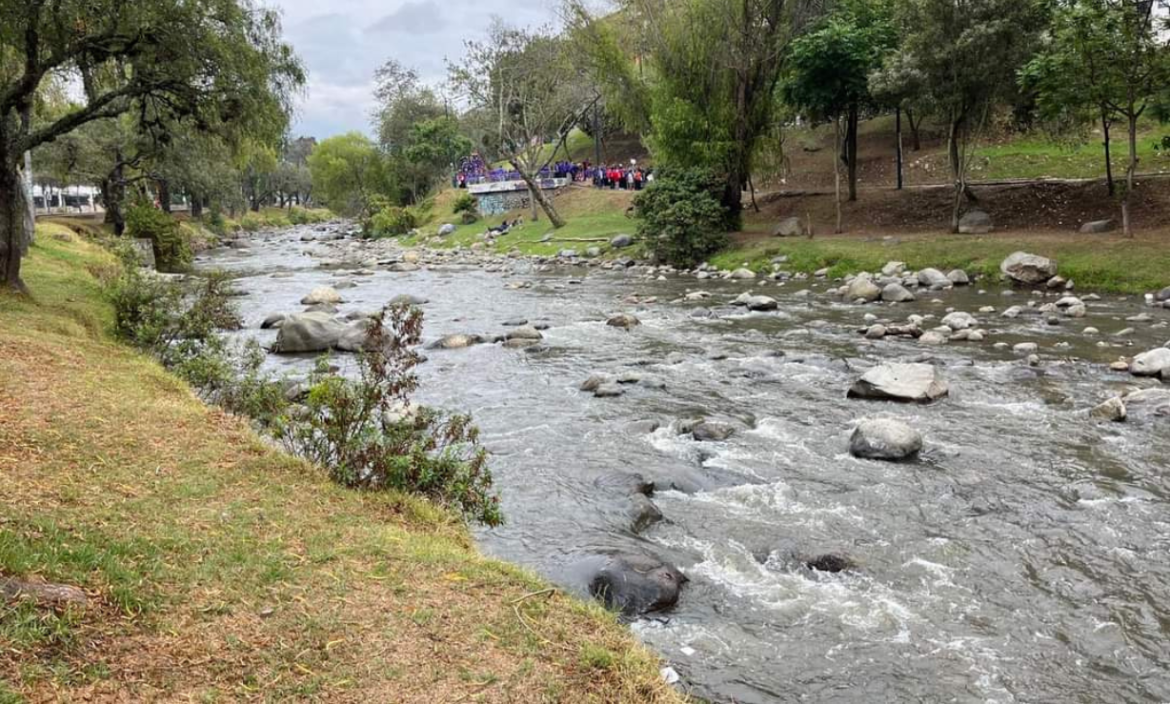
(474, 170)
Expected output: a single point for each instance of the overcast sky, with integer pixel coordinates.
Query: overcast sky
(343, 41)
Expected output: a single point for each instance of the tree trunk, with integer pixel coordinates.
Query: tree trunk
(837, 173)
(196, 207)
(915, 138)
(164, 196)
(898, 147)
(114, 193)
(1106, 123)
(15, 225)
(1130, 172)
(538, 196)
(956, 166)
(851, 151)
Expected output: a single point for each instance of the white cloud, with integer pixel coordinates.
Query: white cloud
(342, 42)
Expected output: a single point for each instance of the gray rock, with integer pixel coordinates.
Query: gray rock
(896, 293)
(406, 299)
(761, 303)
(1112, 410)
(524, 332)
(1028, 269)
(711, 431)
(862, 289)
(1163, 295)
(322, 295)
(635, 584)
(885, 439)
(893, 268)
(908, 383)
(960, 321)
(273, 321)
(743, 274)
(625, 321)
(567, 254)
(308, 332)
(457, 342)
(403, 267)
(1026, 348)
(975, 222)
(447, 230)
(621, 241)
(930, 278)
(609, 391)
(790, 227)
(1156, 362)
(356, 337)
(959, 277)
(595, 382)
(1098, 227)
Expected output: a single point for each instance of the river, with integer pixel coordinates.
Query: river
(1022, 558)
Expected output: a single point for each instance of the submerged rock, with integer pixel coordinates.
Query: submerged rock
(456, 342)
(712, 431)
(625, 321)
(1112, 410)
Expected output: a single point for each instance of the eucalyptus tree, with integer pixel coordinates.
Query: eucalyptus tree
(207, 61)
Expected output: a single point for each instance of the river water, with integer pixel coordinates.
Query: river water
(1022, 558)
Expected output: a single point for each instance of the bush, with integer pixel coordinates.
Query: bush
(306, 216)
(391, 221)
(172, 248)
(681, 217)
(465, 203)
(371, 436)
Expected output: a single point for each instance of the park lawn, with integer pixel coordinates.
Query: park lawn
(1115, 265)
(590, 214)
(220, 569)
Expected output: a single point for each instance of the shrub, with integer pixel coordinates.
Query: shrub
(681, 217)
(465, 203)
(371, 436)
(172, 248)
(391, 221)
(307, 216)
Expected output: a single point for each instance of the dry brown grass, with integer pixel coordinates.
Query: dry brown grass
(221, 570)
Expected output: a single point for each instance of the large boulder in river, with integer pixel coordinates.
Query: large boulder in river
(1156, 362)
(636, 584)
(323, 295)
(761, 303)
(356, 337)
(885, 439)
(308, 332)
(1028, 269)
(631, 493)
(907, 383)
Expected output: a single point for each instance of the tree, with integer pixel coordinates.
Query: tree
(527, 82)
(432, 147)
(1105, 60)
(709, 70)
(205, 60)
(348, 171)
(829, 67)
(968, 53)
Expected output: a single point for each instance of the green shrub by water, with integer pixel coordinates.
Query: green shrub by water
(680, 217)
(172, 248)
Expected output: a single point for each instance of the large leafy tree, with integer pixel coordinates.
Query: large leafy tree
(829, 68)
(1105, 60)
(967, 53)
(207, 61)
(349, 172)
(433, 147)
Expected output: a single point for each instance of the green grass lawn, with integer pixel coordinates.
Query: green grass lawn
(590, 214)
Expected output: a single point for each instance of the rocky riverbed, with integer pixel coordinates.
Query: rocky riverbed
(899, 486)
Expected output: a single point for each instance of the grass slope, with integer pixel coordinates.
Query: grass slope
(222, 570)
(591, 213)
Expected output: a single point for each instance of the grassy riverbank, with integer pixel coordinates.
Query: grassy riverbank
(1113, 264)
(218, 569)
